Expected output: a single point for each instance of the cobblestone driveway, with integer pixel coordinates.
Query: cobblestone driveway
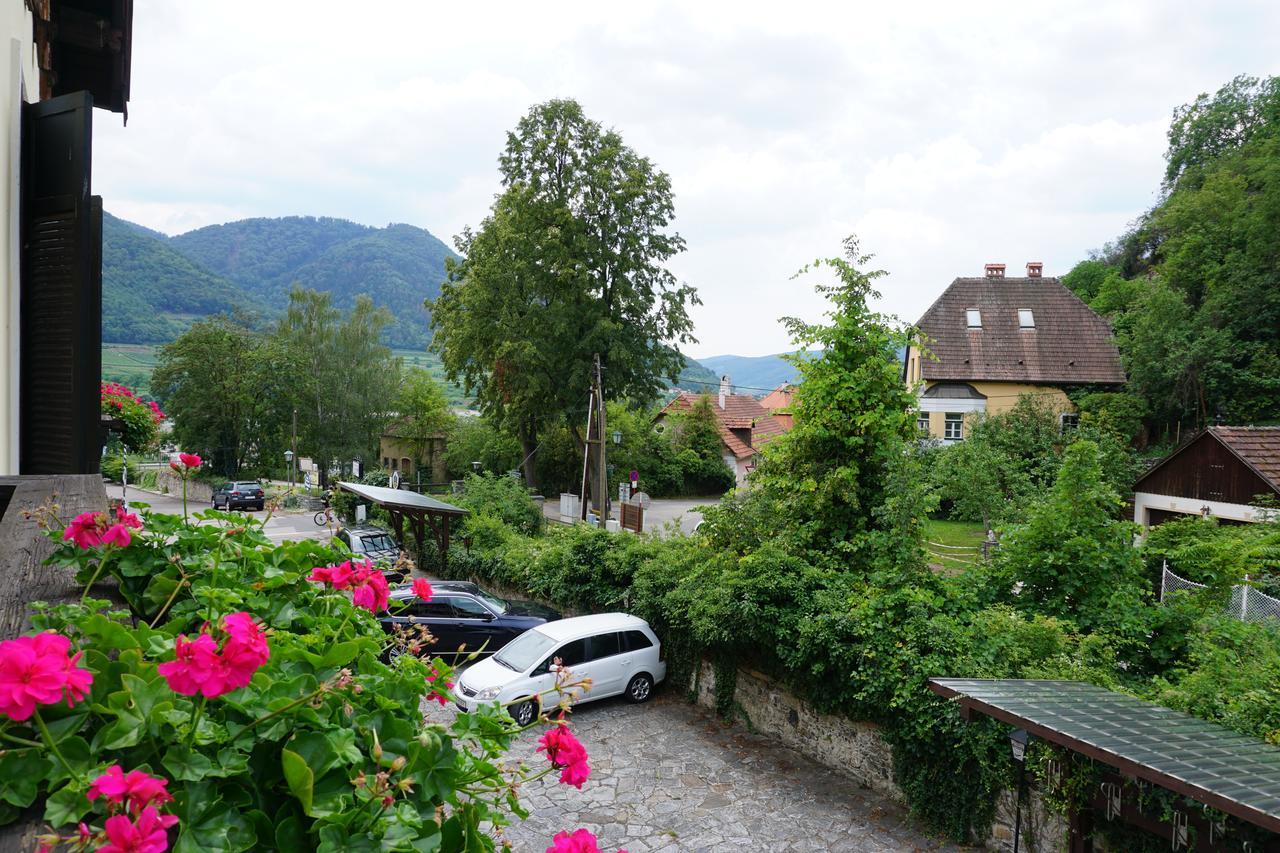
(669, 777)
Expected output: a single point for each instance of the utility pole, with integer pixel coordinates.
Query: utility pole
(602, 493)
(293, 463)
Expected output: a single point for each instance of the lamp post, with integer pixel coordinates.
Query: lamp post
(475, 466)
(288, 461)
(1018, 743)
(617, 436)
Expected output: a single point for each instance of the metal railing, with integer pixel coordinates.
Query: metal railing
(1246, 603)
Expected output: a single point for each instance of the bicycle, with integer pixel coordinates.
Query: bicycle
(324, 518)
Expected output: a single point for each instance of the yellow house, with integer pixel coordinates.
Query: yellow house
(988, 341)
(397, 455)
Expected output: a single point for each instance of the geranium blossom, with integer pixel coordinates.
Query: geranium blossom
(338, 577)
(147, 835)
(190, 460)
(422, 588)
(37, 671)
(440, 696)
(578, 841)
(199, 666)
(369, 588)
(91, 529)
(137, 788)
(563, 750)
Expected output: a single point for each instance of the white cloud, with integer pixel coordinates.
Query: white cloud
(945, 135)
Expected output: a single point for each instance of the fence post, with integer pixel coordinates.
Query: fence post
(1244, 601)
(1164, 577)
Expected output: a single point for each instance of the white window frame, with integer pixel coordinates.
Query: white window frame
(922, 422)
(950, 420)
(1068, 420)
(1026, 318)
(970, 316)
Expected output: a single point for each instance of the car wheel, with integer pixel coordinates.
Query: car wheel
(394, 653)
(261, 506)
(639, 689)
(524, 713)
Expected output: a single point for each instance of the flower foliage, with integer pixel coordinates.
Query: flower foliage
(140, 419)
(563, 750)
(578, 841)
(37, 671)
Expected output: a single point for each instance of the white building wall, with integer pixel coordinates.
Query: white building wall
(1144, 501)
(19, 82)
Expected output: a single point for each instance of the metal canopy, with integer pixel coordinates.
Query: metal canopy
(420, 511)
(1229, 771)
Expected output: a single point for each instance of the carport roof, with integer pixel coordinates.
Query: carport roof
(402, 499)
(1224, 769)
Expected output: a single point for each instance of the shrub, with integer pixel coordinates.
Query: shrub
(140, 420)
(501, 497)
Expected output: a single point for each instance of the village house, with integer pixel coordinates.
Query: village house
(1223, 472)
(986, 342)
(778, 403)
(398, 454)
(745, 426)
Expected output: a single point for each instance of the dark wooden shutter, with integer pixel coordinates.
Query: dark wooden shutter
(61, 291)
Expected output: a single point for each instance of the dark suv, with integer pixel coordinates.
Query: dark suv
(240, 494)
(370, 542)
(462, 614)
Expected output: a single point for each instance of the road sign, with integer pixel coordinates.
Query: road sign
(306, 480)
(635, 477)
(395, 479)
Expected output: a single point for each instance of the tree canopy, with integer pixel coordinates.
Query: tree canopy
(570, 262)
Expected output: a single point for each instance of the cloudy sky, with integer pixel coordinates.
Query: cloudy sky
(945, 135)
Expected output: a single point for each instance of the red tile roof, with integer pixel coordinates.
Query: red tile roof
(1258, 447)
(742, 413)
(778, 398)
(1069, 344)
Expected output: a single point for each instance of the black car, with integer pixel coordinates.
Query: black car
(461, 614)
(248, 495)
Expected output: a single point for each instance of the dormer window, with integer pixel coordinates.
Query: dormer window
(1026, 320)
(973, 317)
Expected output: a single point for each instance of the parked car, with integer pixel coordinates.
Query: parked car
(370, 542)
(461, 615)
(240, 494)
(619, 653)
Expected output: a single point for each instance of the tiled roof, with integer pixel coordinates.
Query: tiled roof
(1070, 344)
(778, 398)
(740, 412)
(1258, 446)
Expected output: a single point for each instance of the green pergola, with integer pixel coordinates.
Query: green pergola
(420, 512)
(1201, 761)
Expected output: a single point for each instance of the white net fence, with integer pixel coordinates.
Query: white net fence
(1246, 604)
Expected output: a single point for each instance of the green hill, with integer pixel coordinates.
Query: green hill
(398, 266)
(151, 293)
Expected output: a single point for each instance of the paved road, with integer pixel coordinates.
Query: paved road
(670, 777)
(660, 513)
(288, 525)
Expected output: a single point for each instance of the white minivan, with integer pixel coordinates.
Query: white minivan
(619, 653)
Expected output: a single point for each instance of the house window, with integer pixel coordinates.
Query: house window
(1026, 320)
(1069, 420)
(922, 422)
(953, 426)
(973, 317)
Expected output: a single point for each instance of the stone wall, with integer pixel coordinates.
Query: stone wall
(859, 751)
(198, 493)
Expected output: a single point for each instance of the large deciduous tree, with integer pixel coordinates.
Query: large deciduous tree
(570, 262)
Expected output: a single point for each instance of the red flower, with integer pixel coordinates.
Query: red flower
(138, 788)
(438, 695)
(564, 750)
(91, 529)
(37, 671)
(422, 588)
(148, 835)
(580, 841)
(370, 589)
(339, 576)
(199, 667)
(128, 519)
(190, 460)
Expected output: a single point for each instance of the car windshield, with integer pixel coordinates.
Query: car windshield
(378, 542)
(524, 651)
(498, 605)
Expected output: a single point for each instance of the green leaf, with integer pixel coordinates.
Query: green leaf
(110, 634)
(218, 828)
(299, 777)
(290, 837)
(22, 772)
(66, 805)
(341, 654)
(186, 764)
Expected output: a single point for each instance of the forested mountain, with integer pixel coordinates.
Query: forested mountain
(151, 293)
(398, 266)
(753, 374)
(1193, 289)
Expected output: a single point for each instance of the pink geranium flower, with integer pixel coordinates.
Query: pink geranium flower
(148, 835)
(370, 589)
(563, 750)
(579, 841)
(200, 667)
(37, 671)
(190, 460)
(136, 788)
(422, 588)
(438, 695)
(91, 529)
(245, 650)
(338, 577)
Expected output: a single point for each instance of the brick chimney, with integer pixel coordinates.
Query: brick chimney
(724, 389)
(1034, 269)
(994, 270)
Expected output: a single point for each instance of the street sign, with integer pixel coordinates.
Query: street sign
(306, 480)
(624, 492)
(395, 479)
(635, 477)
(357, 469)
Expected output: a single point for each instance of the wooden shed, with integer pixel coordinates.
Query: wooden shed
(1222, 472)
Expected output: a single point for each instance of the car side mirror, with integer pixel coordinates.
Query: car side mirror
(489, 617)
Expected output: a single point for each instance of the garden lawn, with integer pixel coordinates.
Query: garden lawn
(955, 535)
